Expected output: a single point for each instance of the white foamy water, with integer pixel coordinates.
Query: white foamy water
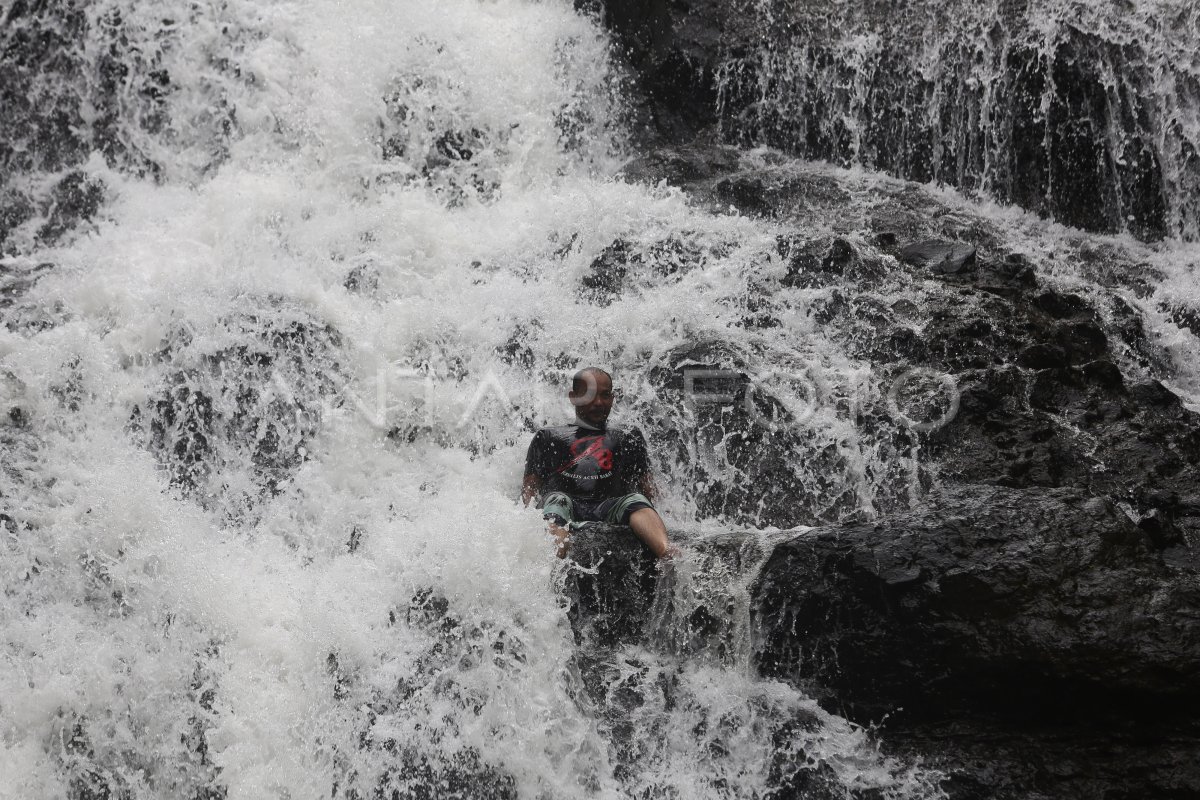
(262, 537)
(223, 576)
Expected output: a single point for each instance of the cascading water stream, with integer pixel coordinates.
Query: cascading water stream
(1082, 111)
(267, 406)
(281, 309)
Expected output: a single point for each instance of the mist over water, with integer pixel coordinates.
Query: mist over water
(267, 412)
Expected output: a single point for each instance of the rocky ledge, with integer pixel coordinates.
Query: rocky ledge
(1030, 642)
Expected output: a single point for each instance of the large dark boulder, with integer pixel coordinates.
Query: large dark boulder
(982, 600)
(612, 589)
(986, 599)
(245, 401)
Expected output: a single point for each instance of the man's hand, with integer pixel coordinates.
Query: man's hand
(673, 554)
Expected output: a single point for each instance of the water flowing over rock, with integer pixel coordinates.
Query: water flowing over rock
(286, 287)
(246, 409)
(1039, 621)
(1085, 112)
(1019, 384)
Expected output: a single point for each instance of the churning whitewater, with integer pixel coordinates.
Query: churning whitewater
(269, 410)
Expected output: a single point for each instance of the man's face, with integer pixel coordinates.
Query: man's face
(594, 402)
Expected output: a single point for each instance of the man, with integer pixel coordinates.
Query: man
(589, 471)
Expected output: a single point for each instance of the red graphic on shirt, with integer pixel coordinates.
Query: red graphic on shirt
(592, 446)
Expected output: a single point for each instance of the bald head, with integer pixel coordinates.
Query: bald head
(592, 395)
(586, 378)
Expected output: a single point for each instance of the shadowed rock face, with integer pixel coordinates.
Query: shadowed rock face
(1026, 640)
(986, 598)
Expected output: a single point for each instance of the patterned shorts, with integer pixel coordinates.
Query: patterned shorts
(564, 510)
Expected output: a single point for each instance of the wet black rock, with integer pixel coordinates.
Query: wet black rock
(823, 262)
(434, 144)
(682, 164)
(363, 279)
(74, 199)
(608, 272)
(624, 264)
(1044, 624)
(90, 770)
(20, 312)
(949, 258)
(1042, 356)
(1084, 426)
(78, 82)
(1055, 388)
(424, 767)
(774, 195)
(1030, 627)
(1184, 317)
(734, 446)
(672, 57)
(1047, 622)
(612, 590)
(1028, 643)
(60, 104)
(985, 599)
(998, 759)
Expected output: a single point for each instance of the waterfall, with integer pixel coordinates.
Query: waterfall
(287, 286)
(1084, 112)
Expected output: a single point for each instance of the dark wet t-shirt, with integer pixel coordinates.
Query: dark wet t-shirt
(588, 464)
